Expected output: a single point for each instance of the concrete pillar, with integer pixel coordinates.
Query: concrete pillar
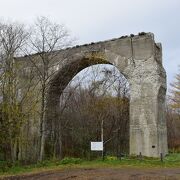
(148, 133)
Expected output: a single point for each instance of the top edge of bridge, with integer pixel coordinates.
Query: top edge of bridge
(133, 36)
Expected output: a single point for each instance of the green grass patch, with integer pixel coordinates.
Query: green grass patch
(68, 160)
(172, 160)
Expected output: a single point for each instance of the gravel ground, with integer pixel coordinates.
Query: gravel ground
(104, 174)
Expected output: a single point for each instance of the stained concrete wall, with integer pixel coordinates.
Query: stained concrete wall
(139, 58)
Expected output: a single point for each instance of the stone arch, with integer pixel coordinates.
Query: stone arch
(61, 79)
(139, 59)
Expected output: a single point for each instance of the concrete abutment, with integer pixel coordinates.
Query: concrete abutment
(139, 59)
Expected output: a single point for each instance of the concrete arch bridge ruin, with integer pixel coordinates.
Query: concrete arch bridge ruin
(139, 59)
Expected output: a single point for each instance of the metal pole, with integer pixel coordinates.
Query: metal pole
(140, 156)
(102, 137)
(161, 155)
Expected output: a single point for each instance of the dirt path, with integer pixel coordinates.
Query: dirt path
(104, 174)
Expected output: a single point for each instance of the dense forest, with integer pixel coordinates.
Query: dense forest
(96, 99)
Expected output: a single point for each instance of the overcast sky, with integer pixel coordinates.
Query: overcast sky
(95, 20)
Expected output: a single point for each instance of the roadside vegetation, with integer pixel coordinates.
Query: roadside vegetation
(172, 160)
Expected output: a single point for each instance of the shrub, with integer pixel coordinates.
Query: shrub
(111, 158)
(68, 160)
(5, 165)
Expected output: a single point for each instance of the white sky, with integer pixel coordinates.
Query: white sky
(94, 20)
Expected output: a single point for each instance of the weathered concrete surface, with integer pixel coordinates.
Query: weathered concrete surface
(139, 58)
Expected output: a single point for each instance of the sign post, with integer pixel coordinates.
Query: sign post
(102, 137)
(97, 146)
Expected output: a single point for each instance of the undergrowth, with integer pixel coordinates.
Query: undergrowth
(7, 168)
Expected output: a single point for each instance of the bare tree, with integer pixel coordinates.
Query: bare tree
(175, 93)
(13, 37)
(46, 38)
(173, 114)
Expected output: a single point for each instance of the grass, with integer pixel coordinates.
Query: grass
(172, 160)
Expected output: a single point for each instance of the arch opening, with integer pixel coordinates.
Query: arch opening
(96, 102)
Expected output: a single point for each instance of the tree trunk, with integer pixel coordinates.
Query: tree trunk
(42, 125)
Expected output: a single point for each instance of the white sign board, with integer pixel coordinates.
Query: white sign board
(97, 146)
